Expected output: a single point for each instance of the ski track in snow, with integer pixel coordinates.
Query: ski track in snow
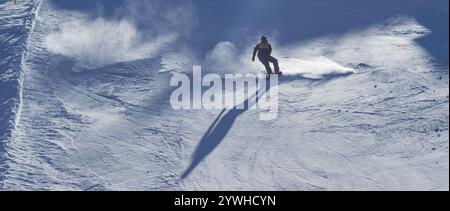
(385, 127)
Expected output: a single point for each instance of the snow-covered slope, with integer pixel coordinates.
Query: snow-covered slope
(381, 125)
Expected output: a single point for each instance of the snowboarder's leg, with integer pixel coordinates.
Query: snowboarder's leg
(275, 64)
(266, 64)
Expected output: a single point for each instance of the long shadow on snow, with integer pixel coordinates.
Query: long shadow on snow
(219, 129)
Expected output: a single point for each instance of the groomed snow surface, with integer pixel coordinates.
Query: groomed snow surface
(366, 109)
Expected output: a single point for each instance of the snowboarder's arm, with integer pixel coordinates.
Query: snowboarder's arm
(254, 53)
(270, 49)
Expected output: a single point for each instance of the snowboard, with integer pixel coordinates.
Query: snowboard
(280, 74)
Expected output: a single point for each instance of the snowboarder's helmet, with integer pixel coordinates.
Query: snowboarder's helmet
(263, 39)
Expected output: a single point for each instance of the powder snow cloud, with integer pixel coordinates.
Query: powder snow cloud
(96, 42)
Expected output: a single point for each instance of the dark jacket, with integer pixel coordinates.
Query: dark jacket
(264, 50)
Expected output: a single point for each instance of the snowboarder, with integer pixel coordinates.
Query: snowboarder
(264, 50)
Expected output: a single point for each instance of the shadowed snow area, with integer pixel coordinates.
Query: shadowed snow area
(365, 108)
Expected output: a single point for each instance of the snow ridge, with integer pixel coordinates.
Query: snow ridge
(16, 24)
